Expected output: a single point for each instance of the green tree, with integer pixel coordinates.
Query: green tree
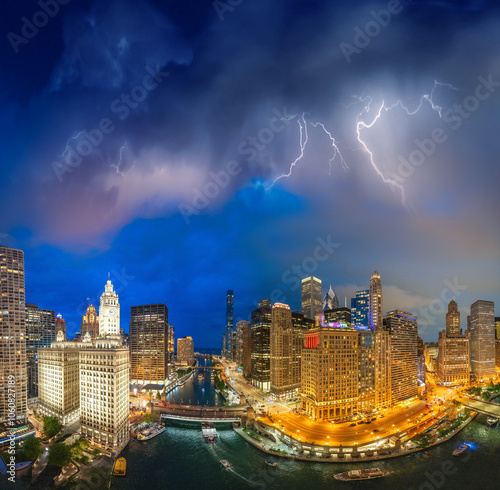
(486, 395)
(78, 447)
(158, 395)
(95, 452)
(151, 417)
(51, 426)
(59, 455)
(32, 448)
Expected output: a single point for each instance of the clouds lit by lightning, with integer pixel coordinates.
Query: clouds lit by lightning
(118, 165)
(361, 125)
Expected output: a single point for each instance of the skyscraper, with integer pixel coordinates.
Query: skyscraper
(338, 315)
(90, 323)
(285, 352)
(13, 369)
(244, 355)
(497, 327)
(229, 323)
(185, 350)
(171, 343)
(453, 365)
(359, 308)
(261, 326)
(330, 300)
(375, 315)
(403, 332)
(149, 344)
(104, 380)
(61, 325)
(311, 296)
(482, 339)
(242, 328)
(40, 332)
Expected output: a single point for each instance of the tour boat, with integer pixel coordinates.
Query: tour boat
(120, 467)
(23, 465)
(271, 462)
(360, 474)
(225, 463)
(491, 421)
(151, 432)
(461, 449)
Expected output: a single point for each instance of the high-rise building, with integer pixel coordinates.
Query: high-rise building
(90, 323)
(366, 367)
(359, 308)
(338, 315)
(171, 342)
(330, 300)
(285, 352)
(431, 352)
(40, 332)
(104, 380)
(59, 380)
(383, 366)
(311, 297)
(482, 340)
(104, 393)
(330, 372)
(61, 325)
(229, 324)
(185, 351)
(261, 347)
(403, 332)
(244, 336)
(149, 344)
(13, 368)
(375, 316)
(109, 312)
(497, 327)
(453, 365)
(242, 329)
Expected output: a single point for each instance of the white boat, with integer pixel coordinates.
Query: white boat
(225, 463)
(491, 421)
(271, 462)
(461, 449)
(151, 432)
(360, 474)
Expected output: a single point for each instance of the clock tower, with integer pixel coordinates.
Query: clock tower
(109, 312)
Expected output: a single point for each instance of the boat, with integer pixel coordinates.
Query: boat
(209, 432)
(271, 462)
(461, 449)
(491, 421)
(353, 475)
(151, 432)
(120, 467)
(225, 463)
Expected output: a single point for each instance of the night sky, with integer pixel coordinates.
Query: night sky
(186, 114)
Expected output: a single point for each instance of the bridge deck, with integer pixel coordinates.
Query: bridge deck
(487, 408)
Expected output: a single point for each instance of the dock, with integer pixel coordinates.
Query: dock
(209, 432)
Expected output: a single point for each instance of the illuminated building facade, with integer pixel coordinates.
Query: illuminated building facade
(339, 315)
(375, 317)
(359, 308)
(109, 312)
(329, 388)
(402, 328)
(40, 332)
(149, 344)
(453, 365)
(185, 351)
(59, 380)
(104, 394)
(311, 297)
(61, 325)
(90, 323)
(497, 328)
(285, 351)
(482, 339)
(261, 347)
(171, 342)
(330, 300)
(13, 368)
(228, 352)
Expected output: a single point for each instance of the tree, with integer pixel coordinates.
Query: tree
(59, 455)
(95, 452)
(158, 395)
(32, 448)
(51, 426)
(78, 447)
(151, 417)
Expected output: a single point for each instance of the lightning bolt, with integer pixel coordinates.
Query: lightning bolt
(67, 147)
(360, 126)
(120, 161)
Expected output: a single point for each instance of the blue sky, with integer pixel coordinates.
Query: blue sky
(188, 149)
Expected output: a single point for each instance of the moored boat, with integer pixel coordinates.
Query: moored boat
(353, 475)
(461, 449)
(491, 421)
(225, 463)
(23, 465)
(151, 432)
(120, 467)
(271, 462)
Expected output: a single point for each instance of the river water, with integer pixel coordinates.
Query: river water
(180, 459)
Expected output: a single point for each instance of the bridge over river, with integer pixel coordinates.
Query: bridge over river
(488, 408)
(202, 413)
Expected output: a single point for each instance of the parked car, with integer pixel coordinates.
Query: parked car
(353, 424)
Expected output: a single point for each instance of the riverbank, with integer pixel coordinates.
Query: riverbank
(282, 450)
